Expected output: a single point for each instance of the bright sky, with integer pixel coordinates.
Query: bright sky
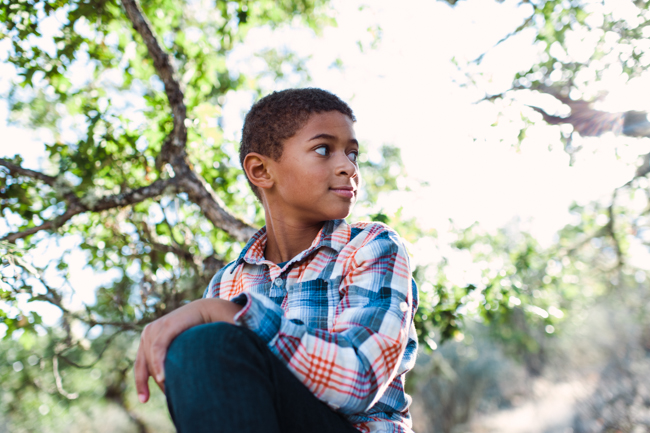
(405, 92)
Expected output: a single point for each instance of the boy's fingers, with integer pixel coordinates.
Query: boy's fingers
(161, 385)
(141, 373)
(159, 352)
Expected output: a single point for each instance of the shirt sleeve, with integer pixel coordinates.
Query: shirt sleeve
(350, 367)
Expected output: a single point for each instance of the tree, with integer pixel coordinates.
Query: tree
(583, 47)
(141, 178)
(599, 260)
(138, 176)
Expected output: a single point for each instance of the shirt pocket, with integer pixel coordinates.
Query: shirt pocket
(313, 303)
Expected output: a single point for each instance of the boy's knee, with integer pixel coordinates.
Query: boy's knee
(202, 335)
(198, 340)
(193, 353)
(208, 345)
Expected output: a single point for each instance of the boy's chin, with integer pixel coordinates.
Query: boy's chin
(336, 215)
(343, 214)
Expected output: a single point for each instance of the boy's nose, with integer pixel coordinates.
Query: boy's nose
(345, 167)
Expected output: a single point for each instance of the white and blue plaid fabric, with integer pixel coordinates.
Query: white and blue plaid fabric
(340, 315)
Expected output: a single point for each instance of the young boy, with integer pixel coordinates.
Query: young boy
(311, 328)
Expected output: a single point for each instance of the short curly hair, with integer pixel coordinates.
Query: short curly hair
(278, 116)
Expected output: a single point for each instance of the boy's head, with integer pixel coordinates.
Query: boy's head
(278, 116)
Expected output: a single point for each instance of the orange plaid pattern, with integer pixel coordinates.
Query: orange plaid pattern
(340, 315)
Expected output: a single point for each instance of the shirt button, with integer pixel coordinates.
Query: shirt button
(403, 306)
(278, 282)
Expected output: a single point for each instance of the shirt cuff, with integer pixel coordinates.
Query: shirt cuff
(259, 314)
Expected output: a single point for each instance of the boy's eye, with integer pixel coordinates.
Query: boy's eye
(353, 156)
(321, 150)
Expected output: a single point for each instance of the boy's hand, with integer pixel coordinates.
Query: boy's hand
(158, 335)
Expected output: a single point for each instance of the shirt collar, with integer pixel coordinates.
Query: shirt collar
(334, 234)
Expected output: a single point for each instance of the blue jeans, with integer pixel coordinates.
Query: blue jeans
(224, 378)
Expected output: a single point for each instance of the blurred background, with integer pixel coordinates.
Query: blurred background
(507, 142)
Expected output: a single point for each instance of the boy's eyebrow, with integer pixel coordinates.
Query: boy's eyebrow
(331, 137)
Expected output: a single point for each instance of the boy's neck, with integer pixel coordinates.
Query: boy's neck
(287, 239)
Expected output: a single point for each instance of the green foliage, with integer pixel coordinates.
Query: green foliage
(556, 20)
(83, 73)
(579, 43)
(12, 285)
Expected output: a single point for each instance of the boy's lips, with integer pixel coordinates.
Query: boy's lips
(344, 191)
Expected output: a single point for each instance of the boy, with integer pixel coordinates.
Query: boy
(311, 328)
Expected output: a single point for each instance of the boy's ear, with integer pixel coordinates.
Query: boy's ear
(257, 170)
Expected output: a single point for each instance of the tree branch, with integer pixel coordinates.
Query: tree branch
(59, 381)
(107, 343)
(165, 71)
(151, 238)
(156, 189)
(521, 27)
(612, 232)
(186, 180)
(173, 150)
(15, 169)
(115, 392)
(54, 297)
(643, 169)
(169, 225)
(86, 204)
(214, 208)
(48, 225)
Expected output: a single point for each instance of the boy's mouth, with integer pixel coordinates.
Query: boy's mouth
(344, 191)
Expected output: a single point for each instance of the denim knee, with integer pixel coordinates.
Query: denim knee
(205, 347)
(196, 341)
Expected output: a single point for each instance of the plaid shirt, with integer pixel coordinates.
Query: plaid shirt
(340, 315)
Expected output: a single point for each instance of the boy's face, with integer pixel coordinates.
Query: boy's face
(317, 177)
